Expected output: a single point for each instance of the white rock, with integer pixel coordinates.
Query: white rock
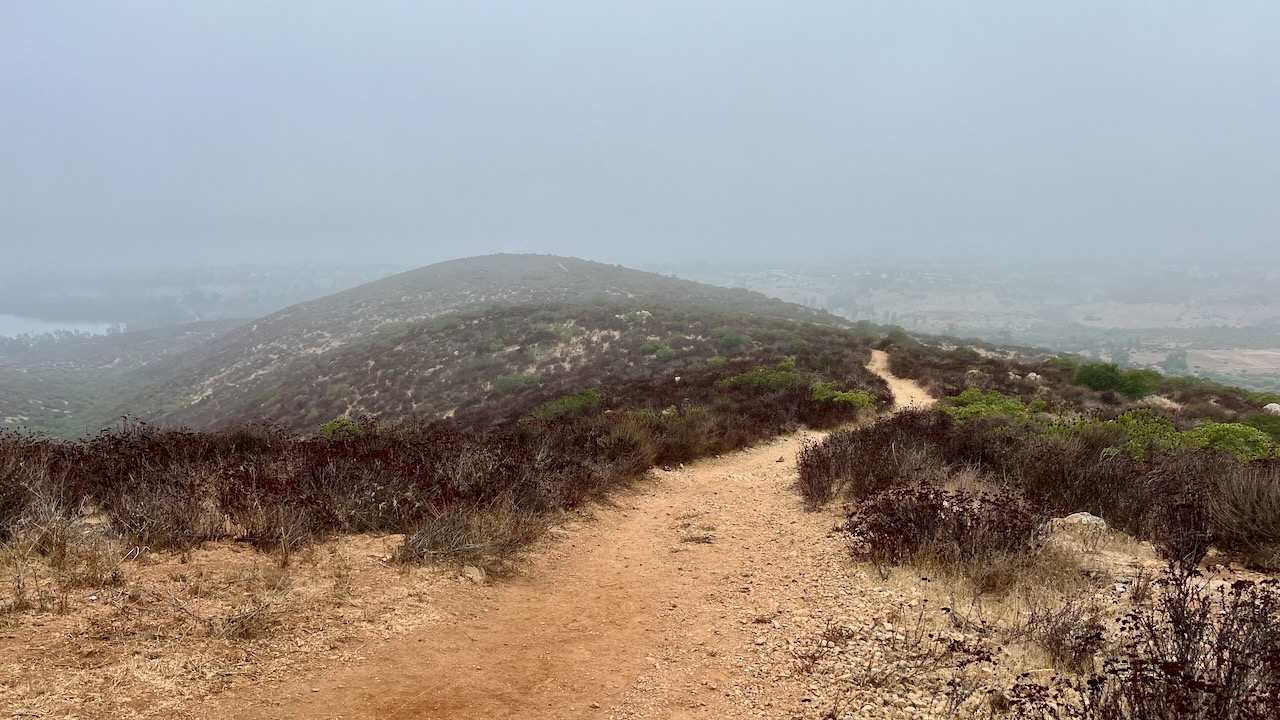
(1083, 518)
(1272, 408)
(474, 574)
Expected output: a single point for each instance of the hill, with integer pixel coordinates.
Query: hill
(49, 383)
(438, 339)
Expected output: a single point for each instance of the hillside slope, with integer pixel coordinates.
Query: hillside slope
(430, 341)
(49, 385)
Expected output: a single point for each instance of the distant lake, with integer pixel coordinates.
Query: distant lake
(13, 326)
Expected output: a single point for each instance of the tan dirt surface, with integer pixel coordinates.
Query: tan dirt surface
(907, 393)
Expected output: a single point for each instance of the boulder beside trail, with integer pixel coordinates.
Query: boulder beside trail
(1080, 519)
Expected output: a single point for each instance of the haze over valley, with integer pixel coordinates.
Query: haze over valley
(804, 361)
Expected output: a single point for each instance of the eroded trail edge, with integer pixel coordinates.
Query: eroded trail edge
(682, 598)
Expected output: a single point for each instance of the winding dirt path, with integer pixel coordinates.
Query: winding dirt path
(679, 600)
(906, 393)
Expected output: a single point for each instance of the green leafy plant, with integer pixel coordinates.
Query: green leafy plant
(1109, 376)
(511, 383)
(576, 404)
(778, 377)
(659, 348)
(710, 363)
(1269, 424)
(731, 339)
(975, 404)
(830, 392)
(1245, 442)
(340, 427)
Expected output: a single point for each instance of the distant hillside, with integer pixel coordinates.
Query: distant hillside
(49, 384)
(431, 341)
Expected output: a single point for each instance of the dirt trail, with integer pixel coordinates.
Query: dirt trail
(677, 601)
(906, 393)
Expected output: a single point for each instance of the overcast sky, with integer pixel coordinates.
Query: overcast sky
(636, 132)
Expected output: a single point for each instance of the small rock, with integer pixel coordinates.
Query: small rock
(1083, 519)
(474, 574)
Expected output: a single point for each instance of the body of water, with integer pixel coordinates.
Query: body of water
(13, 326)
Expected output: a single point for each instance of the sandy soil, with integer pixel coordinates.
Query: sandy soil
(906, 393)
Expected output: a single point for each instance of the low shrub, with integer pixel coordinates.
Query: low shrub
(568, 405)
(1269, 424)
(1132, 384)
(925, 525)
(1244, 511)
(778, 377)
(866, 460)
(339, 427)
(1072, 634)
(15, 496)
(466, 534)
(975, 404)
(511, 383)
(830, 392)
(1245, 442)
(1211, 654)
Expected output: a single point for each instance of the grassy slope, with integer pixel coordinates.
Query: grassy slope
(372, 349)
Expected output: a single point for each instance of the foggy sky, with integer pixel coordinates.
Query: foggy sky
(636, 132)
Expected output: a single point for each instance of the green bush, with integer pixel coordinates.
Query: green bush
(1108, 376)
(898, 336)
(340, 427)
(830, 392)
(779, 377)
(1140, 383)
(576, 404)
(660, 348)
(1138, 433)
(1058, 363)
(1269, 424)
(1099, 377)
(710, 363)
(511, 383)
(975, 404)
(730, 339)
(1245, 442)
(1147, 433)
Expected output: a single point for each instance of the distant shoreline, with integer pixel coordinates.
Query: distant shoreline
(15, 325)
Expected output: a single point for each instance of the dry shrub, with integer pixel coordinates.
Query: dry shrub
(1072, 634)
(471, 534)
(19, 470)
(1244, 511)
(862, 462)
(1195, 653)
(988, 537)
